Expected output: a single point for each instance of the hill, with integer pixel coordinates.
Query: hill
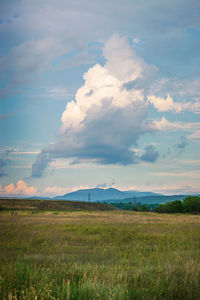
(149, 199)
(52, 205)
(99, 194)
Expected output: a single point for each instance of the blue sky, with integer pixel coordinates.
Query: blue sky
(99, 93)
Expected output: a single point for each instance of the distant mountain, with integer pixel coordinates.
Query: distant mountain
(139, 194)
(148, 199)
(99, 194)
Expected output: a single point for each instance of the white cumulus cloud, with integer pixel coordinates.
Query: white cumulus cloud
(20, 189)
(109, 113)
(168, 104)
(106, 117)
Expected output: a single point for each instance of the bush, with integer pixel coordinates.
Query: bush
(144, 208)
(191, 204)
(170, 207)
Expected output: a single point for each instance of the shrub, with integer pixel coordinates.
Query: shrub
(170, 207)
(191, 204)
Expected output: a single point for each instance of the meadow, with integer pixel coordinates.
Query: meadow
(99, 255)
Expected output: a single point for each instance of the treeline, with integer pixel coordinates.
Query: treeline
(190, 204)
(136, 207)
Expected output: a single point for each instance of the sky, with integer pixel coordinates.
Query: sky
(99, 94)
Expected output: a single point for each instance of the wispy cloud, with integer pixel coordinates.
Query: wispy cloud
(164, 124)
(31, 56)
(180, 147)
(40, 164)
(3, 163)
(168, 189)
(59, 190)
(59, 93)
(195, 136)
(17, 151)
(189, 174)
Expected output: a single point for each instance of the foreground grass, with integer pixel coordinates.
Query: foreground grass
(99, 255)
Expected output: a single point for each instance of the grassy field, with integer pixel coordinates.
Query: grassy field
(99, 255)
(52, 205)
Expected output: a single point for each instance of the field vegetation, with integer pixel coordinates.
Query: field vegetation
(51, 205)
(99, 255)
(190, 204)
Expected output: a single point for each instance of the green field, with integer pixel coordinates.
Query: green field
(99, 255)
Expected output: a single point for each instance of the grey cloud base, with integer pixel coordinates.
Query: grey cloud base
(106, 138)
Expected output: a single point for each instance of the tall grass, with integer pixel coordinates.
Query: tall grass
(104, 255)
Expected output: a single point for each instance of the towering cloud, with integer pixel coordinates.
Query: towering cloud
(107, 116)
(109, 113)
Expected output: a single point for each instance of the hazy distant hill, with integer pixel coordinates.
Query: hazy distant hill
(112, 195)
(148, 199)
(99, 194)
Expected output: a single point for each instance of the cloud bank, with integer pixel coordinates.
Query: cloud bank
(21, 189)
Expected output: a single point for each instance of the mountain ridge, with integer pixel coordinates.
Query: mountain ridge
(100, 194)
(112, 195)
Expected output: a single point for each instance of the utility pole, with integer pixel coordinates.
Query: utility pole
(88, 197)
